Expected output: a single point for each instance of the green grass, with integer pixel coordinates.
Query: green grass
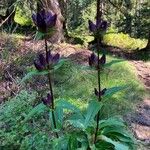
(77, 84)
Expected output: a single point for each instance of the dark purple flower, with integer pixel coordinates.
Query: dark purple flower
(103, 59)
(100, 25)
(49, 57)
(101, 93)
(52, 59)
(92, 26)
(40, 64)
(42, 59)
(47, 101)
(56, 58)
(44, 20)
(93, 60)
(104, 25)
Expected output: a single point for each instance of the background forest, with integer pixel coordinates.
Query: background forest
(106, 85)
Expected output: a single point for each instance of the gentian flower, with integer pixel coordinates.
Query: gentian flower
(100, 25)
(42, 62)
(103, 59)
(102, 92)
(52, 59)
(44, 20)
(93, 60)
(47, 101)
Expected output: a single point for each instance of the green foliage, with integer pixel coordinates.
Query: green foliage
(112, 133)
(124, 41)
(13, 113)
(23, 15)
(83, 121)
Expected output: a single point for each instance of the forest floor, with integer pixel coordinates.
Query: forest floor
(139, 120)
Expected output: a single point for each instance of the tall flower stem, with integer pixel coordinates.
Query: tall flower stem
(51, 89)
(98, 17)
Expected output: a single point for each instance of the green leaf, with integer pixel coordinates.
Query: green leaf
(113, 62)
(83, 141)
(59, 64)
(77, 120)
(58, 112)
(60, 143)
(117, 145)
(124, 139)
(67, 105)
(93, 108)
(113, 130)
(77, 123)
(111, 122)
(73, 143)
(111, 91)
(39, 35)
(35, 111)
(33, 73)
(59, 116)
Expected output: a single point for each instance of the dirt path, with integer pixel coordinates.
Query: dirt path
(140, 120)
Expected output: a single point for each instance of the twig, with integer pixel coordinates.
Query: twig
(7, 18)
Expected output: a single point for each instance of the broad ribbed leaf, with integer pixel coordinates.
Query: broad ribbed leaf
(77, 124)
(93, 108)
(67, 105)
(117, 145)
(111, 122)
(73, 143)
(58, 112)
(111, 91)
(77, 120)
(112, 63)
(60, 143)
(59, 64)
(113, 130)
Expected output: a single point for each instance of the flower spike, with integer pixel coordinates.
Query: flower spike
(44, 20)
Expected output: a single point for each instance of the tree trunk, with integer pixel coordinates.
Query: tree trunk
(148, 44)
(53, 5)
(64, 7)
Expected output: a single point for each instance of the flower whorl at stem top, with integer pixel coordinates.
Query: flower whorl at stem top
(101, 25)
(44, 20)
(93, 60)
(43, 62)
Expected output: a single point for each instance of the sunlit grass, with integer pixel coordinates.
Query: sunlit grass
(124, 41)
(77, 84)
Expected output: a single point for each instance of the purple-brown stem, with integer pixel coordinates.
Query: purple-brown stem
(51, 89)
(98, 17)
